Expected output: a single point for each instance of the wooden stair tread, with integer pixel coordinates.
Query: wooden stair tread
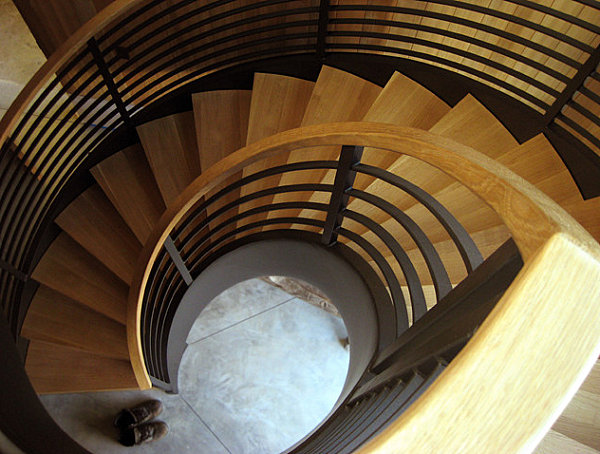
(537, 162)
(580, 420)
(555, 442)
(171, 150)
(221, 119)
(337, 96)
(221, 122)
(471, 124)
(402, 102)
(53, 22)
(54, 368)
(53, 317)
(278, 104)
(127, 180)
(95, 224)
(69, 269)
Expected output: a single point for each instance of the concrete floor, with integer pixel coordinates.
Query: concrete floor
(261, 370)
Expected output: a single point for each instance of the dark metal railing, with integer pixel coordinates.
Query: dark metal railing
(582, 111)
(408, 366)
(215, 221)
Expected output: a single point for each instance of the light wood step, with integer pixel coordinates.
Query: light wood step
(586, 212)
(53, 317)
(95, 224)
(53, 22)
(556, 443)
(470, 123)
(337, 96)
(580, 421)
(402, 102)
(127, 180)
(221, 119)
(278, 104)
(54, 368)
(69, 269)
(537, 162)
(171, 150)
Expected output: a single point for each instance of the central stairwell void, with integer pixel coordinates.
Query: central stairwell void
(450, 248)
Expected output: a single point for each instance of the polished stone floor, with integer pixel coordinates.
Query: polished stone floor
(261, 370)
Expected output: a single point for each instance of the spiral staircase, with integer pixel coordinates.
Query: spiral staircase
(173, 175)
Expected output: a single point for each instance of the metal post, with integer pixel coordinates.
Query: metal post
(108, 79)
(322, 30)
(344, 179)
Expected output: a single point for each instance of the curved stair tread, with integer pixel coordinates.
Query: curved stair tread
(466, 207)
(555, 442)
(526, 160)
(221, 123)
(171, 150)
(337, 96)
(580, 420)
(127, 180)
(468, 123)
(471, 123)
(69, 269)
(95, 224)
(55, 318)
(586, 213)
(54, 368)
(402, 102)
(537, 161)
(278, 104)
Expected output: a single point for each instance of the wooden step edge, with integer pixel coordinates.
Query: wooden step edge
(54, 368)
(55, 318)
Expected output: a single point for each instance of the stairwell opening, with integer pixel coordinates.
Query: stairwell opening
(261, 366)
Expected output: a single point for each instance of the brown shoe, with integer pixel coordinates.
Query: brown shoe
(144, 433)
(144, 412)
(150, 431)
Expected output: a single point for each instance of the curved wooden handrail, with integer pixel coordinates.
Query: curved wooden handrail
(506, 387)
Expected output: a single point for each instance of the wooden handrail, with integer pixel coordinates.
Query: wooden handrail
(506, 387)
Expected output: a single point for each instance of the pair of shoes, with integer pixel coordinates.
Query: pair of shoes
(136, 425)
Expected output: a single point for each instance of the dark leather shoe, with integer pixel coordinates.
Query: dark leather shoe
(144, 412)
(144, 433)
(150, 431)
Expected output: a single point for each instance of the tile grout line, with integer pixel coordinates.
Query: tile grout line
(245, 320)
(203, 422)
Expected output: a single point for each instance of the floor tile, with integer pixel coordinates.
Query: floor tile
(264, 384)
(87, 417)
(235, 305)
